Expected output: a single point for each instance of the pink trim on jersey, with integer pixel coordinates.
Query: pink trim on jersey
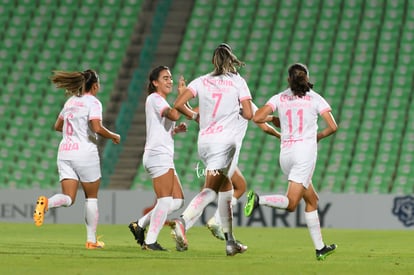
(271, 106)
(245, 98)
(194, 92)
(163, 109)
(95, 117)
(325, 110)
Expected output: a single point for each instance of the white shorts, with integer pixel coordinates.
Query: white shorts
(84, 171)
(298, 163)
(217, 156)
(157, 165)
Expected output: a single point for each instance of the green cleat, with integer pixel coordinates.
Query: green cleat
(325, 251)
(251, 204)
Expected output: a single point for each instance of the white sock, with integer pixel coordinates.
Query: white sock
(233, 200)
(197, 206)
(91, 219)
(216, 218)
(158, 218)
(176, 204)
(312, 221)
(59, 200)
(225, 211)
(144, 221)
(276, 201)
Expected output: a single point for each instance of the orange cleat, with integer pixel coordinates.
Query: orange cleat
(97, 245)
(41, 209)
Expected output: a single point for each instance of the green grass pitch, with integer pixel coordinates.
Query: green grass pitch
(59, 249)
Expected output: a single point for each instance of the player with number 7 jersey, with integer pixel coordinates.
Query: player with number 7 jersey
(220, 95)
(219, 98)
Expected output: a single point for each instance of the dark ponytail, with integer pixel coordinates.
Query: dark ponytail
(299, 79)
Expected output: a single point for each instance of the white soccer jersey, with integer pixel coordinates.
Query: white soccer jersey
(298, 116)
(78, 140)
(219, 98)
(159, 128)
(243, 124)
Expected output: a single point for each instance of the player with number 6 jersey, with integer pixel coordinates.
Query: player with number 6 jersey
(80, 122)
(78, 140)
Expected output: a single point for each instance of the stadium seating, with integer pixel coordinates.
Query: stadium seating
(359, 54)
(38, 37)
(358, 62)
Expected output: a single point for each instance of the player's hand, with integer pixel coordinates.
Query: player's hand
(182, 127)
(276, 121)
(116, 139)
(181, 85)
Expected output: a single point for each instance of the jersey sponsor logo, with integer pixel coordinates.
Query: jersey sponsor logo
(212, 129)
(69, 147)
(404, 210)
(217, 82)
(74, 104)
(284, 98)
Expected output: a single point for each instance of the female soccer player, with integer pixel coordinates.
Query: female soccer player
(220, 94)
(158, 158)
(80, 121)
(238, 180)
(298, 108)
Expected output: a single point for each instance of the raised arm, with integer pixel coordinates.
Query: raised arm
(181, 104)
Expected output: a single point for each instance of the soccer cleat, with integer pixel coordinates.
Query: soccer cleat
(153, 246)
(215, 229)
(251, 204)
(138, 232)
(325, 251)
(178, 233)
(97, 245)
(41, 209)
(234, 247)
